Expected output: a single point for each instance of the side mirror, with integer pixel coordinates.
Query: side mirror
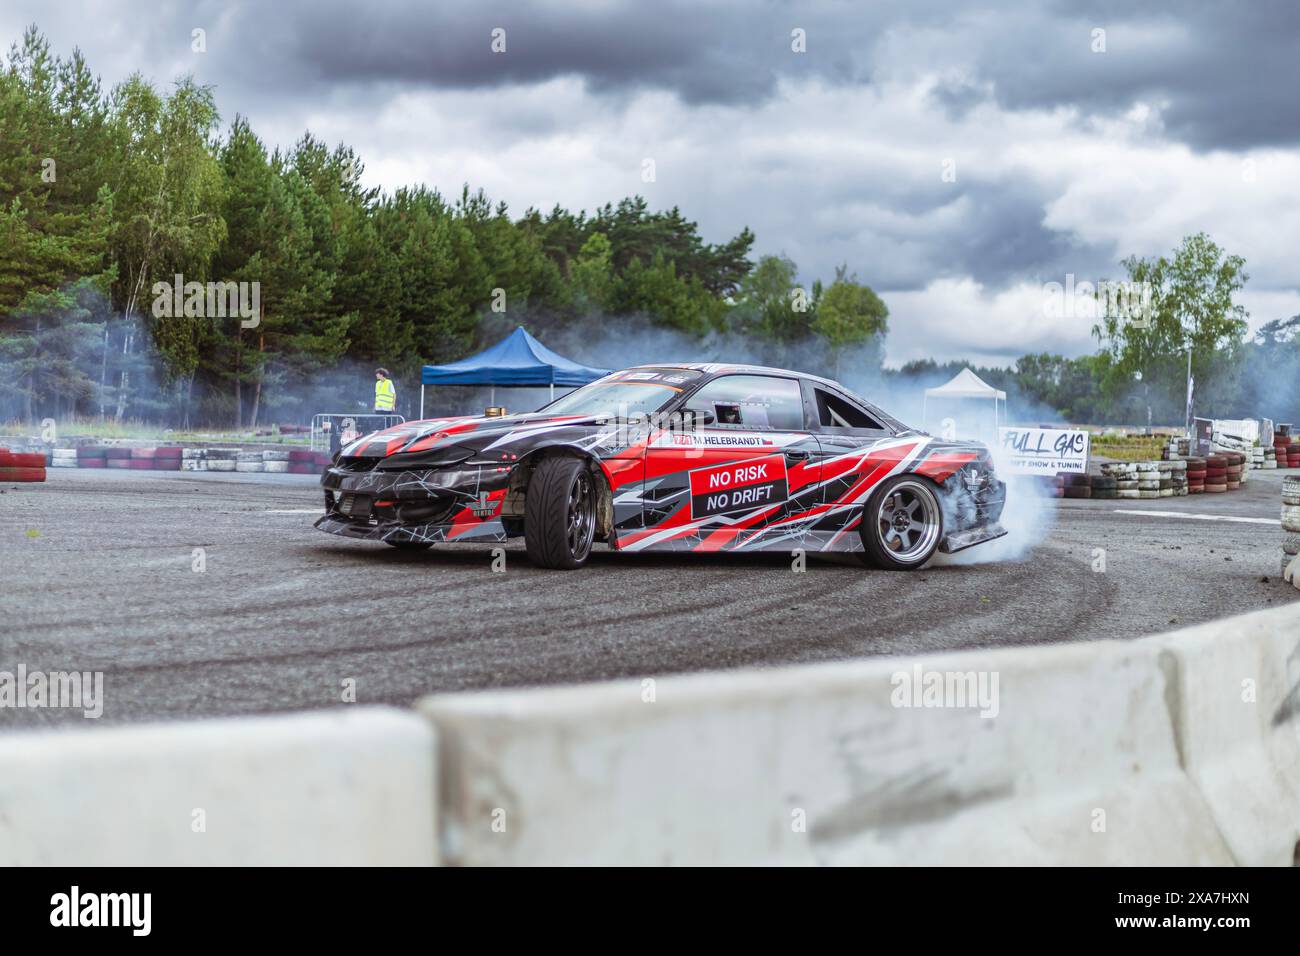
(691, 417)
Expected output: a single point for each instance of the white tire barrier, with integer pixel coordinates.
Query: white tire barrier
(349, 788)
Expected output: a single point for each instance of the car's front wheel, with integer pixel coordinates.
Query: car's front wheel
(560, 514)
(902, 524)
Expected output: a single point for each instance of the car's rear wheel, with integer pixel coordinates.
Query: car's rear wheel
(902, 524)
(560, 514)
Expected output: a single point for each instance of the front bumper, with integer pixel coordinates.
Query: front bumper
(973, 514)
(430, 506)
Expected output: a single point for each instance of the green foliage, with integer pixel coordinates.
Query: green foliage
(102, 196)
(849, 314)
(1192, 309)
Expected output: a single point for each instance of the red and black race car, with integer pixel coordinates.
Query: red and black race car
(673, 457)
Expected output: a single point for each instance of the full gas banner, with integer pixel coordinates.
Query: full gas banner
(1043, 451)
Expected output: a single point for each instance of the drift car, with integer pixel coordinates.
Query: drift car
(673, 457)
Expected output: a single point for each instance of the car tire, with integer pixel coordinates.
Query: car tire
(888, 546)
(560, 514)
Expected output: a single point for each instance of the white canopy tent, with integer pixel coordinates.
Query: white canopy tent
(967, 385)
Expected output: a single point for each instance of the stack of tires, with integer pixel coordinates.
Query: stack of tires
(1290, 522)
(302, 462)
(1125, 476)
(1196, 472)
(1292, 455)
(1235, 470)
(21, 466)
(117, 458)
(141, 459)
(1270, 457)
(1105, 486)
(1149, 477)
(275, 462)
(221, 459)
(1216, 475)
(91, 456)
(167, 459)
(1173, 478)
(1076, 486)
(249, 461)
(63, 458)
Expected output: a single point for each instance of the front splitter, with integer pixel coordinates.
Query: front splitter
(962, 540)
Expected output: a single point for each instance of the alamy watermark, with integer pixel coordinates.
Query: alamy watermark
(82, 690)
(209, 300)
(946, 689)
(1128, 301)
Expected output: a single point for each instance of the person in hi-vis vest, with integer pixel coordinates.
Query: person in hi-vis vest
(385, 393)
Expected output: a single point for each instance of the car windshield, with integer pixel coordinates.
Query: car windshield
(627, 394)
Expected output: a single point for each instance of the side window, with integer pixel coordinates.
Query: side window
(835, 412)
(752, 401)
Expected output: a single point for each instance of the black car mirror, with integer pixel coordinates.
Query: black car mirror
(696, 416)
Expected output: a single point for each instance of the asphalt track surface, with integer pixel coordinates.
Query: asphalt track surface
(97, 573)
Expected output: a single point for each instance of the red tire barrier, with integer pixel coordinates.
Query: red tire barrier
(26, 460)
(90, 453)
(143, 453)
(140, 464)
(167, 453)
(301, 455)
(117, 463)
(112, 453)
(12, 473)
(166, 464)
(303, 468)
(91, 463)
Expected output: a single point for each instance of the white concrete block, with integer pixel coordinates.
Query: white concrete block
(353, 787)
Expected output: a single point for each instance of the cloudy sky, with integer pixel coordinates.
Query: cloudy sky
(955, 156)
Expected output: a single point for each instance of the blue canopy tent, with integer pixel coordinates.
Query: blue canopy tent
(518, 361)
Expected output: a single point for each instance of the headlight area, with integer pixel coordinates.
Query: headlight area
(445, 457)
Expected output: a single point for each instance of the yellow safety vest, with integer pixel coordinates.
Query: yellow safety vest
(385, 395)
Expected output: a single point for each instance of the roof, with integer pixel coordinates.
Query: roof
(716, 368)
(517, 360)
(712, 368)
(966, 384)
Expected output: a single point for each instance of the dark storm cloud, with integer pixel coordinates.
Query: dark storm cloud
(993, 232)
(1227, 72)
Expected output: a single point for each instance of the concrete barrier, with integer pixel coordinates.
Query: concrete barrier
(355, 787)
(1177, 749)
(1081, 764)
(1238, 724)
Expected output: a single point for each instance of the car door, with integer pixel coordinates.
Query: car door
(747, 462)
(855, 451)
